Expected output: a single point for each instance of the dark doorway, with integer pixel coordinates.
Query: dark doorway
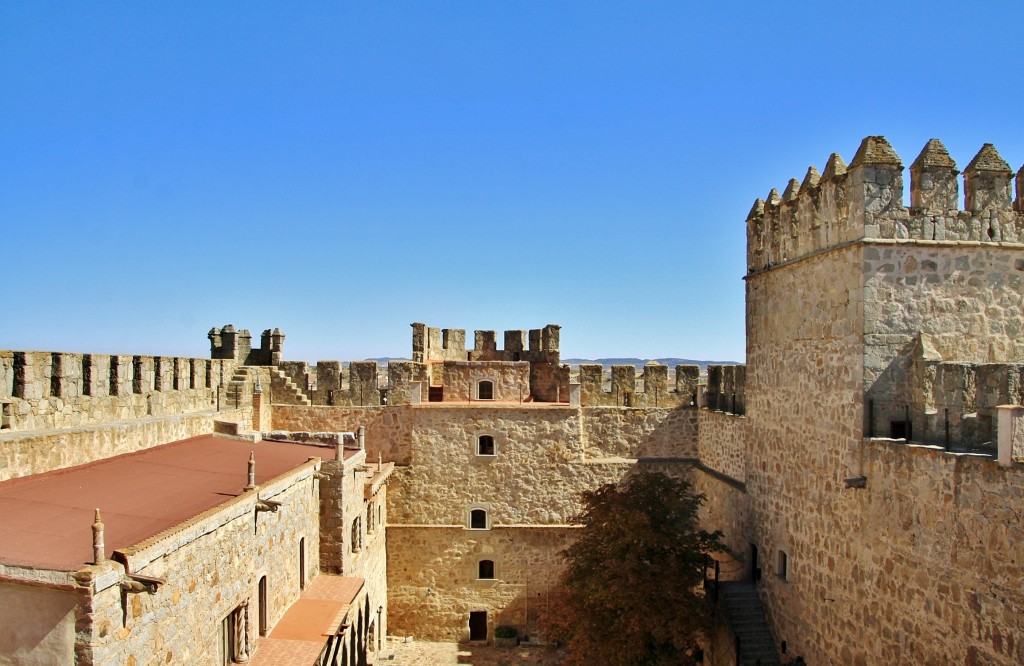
(478, 625)
(435, 394)
(755, 568)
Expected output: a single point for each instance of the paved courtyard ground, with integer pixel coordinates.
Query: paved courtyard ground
(425, 653)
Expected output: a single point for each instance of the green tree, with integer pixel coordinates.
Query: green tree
(631, 591)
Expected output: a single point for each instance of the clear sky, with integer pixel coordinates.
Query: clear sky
(341, 170)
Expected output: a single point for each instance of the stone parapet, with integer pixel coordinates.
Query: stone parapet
(865, 201)
(624, 391)
(45, 390)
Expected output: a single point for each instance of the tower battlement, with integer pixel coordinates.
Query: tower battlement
(864, 201)
(449, 344)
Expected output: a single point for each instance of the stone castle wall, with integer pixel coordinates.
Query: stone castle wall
(48, 390)
(544, 457)
(803, 406)
(433, 578)
(388, 429)
(639, 432)
(623, 390)
(894, 553)
(511, 380)
(352, 533)
(966, 297)
(936, 558)
(211, 565)
(723, 443)
(36, 452)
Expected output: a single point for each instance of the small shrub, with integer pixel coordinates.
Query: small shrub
(505, 631)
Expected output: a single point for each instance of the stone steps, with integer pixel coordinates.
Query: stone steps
(746, 617)
(292, 394)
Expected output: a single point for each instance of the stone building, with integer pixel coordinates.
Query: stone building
(865, 465)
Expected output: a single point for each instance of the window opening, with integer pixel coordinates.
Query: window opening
(227, 639)
(897, 429)
(783, 564)
(485, 390)
(478, 519)
(357, 534)
(485, 445)
(486, 570)
(302, 563)
(55, 372)
(263, 606)
(86, 374)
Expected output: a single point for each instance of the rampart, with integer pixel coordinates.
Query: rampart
(865, 201)
(549, 379)
(236, 345)
(623, 390)
(870, 321)
(48, 390)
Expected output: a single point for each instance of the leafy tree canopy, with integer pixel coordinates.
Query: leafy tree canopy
(632, 584)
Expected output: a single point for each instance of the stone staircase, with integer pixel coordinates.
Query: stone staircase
(235, 390)
(746, 617)
(238, 390)
(285, 391)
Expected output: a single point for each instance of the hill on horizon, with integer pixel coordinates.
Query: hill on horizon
(638, 363)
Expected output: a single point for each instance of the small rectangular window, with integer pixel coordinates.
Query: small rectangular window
(485, 445)
(485, 390)
(486, 570)
(783, 564)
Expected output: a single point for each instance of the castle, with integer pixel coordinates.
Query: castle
(866, 465)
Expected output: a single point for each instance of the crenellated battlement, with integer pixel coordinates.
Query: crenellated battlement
(948, 402)
(231, 344)
(623, 391)
(726, 389)
(43, 390)
(864, 201)
(449, 344)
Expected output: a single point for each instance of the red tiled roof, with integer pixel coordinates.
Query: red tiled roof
(306, 626)
(46, 519)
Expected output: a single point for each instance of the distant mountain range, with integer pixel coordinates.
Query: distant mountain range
(638, 363)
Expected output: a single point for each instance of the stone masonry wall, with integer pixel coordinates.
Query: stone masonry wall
(345, 513)
(207, 577)
(36, 452)
(433, 578)
(803, 406)
(723, 443)
(640, 432)
(544, 457)
(935, 558)
(726, 508)
(46, 390)
(532, 479)
(39, 625)
(511, 380)
(388, 429)
(968, 297)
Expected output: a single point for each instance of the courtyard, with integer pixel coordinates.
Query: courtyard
(427, 653)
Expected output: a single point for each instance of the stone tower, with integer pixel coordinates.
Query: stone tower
(870, 320)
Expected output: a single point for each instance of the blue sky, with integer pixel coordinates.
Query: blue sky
(341, 170)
